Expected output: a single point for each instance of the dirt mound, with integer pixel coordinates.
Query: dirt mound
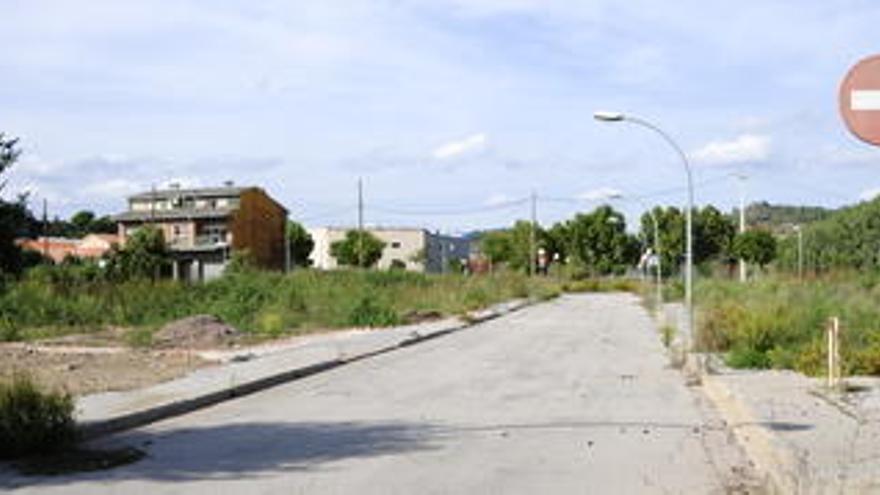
(197, 332)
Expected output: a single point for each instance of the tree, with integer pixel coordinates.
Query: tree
(145, 255)
(513, 246)
(81, 221)
(15, 218)
(599, 241)
(359, 248)
(557, 240)
(496, 245)
(671, 223)
(300, 243)
(103, 225)
(713, 234)
(755, 246)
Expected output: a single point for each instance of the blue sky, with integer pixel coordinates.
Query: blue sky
(450, 110)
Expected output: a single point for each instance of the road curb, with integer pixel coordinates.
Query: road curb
(94, 429)
(97, 428)
(777, 467)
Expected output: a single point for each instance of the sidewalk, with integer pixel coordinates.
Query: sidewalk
(803, 438)
(252, 369)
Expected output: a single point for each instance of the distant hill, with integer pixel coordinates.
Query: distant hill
(776, 217)
(846, 238)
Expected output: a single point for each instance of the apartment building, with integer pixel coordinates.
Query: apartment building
(203, 227)
(416, 249)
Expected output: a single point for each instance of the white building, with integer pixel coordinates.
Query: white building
(417, 249)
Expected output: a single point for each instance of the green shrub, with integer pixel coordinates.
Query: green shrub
(9, 331)
(33, 421)
(369, 312)
(476, 298)
(602, 285)
(667, 335)
(748, 357)
(780, 322)
(50, 303)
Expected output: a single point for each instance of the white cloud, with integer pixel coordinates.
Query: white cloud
(113, 188)
(183, 182)
(36, 165)
(840, 155)
(470, 144)
(497, 199)
(600, 194)
(747, 148)
(869, 194)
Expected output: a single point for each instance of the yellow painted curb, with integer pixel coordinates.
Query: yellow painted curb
(777, 467)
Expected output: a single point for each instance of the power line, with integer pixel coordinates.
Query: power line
(458, 211)
(329, 214)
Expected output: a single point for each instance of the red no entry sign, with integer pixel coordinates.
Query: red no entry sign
(860, 100)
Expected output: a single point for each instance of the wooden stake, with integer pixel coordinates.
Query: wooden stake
(834, 368)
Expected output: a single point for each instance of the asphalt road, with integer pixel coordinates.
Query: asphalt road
(571, 396)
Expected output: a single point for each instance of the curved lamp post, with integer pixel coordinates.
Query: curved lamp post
(603, 116)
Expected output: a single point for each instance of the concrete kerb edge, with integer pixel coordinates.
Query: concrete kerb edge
(94, 429)
(776, 466)
(836, 402)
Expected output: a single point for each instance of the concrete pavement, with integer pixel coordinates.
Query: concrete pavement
(250, 369)
(571, 396)
(807, 439)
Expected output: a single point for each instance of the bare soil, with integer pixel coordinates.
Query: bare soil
(83, 371)
(197, 332)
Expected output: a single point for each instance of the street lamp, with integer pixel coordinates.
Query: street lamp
(617, 195)
(742, 218)
(605, 116)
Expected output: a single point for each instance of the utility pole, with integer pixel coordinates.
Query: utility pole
(45, 229)
(742, 219)
(176, 266)
(360, 223)
(286, 246)
(444, 262)
(152, 204)
(800, 257)
(532, 235)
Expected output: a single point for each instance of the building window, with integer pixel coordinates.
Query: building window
(215, 234)
(395, 244)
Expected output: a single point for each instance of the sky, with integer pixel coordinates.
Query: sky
(453, 112)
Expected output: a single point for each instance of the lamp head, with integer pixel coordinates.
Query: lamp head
(606, 116)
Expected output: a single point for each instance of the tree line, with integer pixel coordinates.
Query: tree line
(849, 238)
(597, 242)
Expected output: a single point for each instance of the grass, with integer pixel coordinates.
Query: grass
(667, 335)
(779, 322)
(261, 303)
(603, 285)
(38, 433)
(33, 421)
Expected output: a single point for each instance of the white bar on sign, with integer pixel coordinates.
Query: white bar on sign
(865, 99)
